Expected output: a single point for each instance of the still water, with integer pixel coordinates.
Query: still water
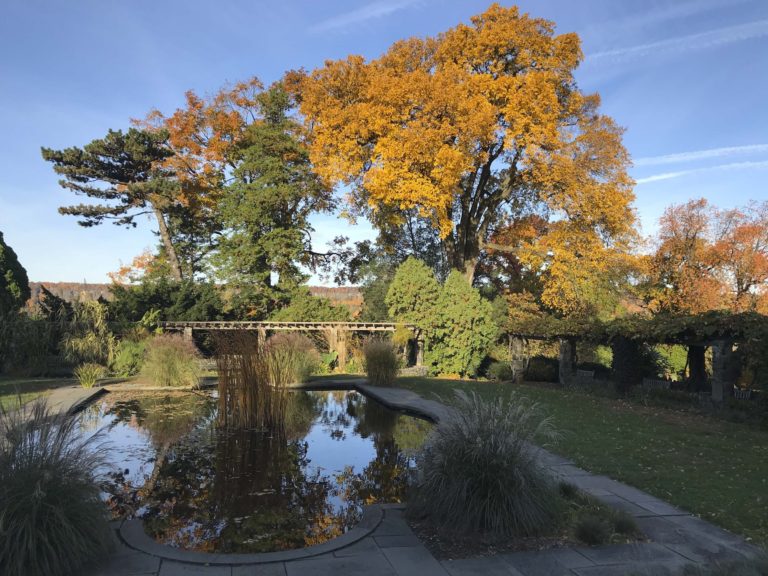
(199, 487)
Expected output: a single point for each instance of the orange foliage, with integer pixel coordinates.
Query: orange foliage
(144, 264)
(203, 136)
(468, 125)
(709, 259)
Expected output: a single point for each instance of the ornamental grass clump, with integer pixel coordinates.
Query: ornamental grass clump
(88, 374)
(479, 471)
(172, 360)
(381, 362)
(52, 519)
(292, 358)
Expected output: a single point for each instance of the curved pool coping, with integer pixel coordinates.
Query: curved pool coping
(133, 534)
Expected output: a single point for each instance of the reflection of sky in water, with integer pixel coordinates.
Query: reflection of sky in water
(129, 445)
(137, 427)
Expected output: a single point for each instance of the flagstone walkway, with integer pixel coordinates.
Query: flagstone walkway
(386, 546)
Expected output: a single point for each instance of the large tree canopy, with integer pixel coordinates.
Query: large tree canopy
(476, 126)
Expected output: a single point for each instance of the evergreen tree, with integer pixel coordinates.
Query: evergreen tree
(122, 171)
(413, 294)
(266, 210)
(463, 330)
(14, 284)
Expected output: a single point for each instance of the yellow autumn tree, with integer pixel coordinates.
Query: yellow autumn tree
(475, 127)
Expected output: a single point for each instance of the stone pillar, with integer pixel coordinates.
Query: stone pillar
(723, 370)
(624, 366)
(341, 347)
(518, 358)
(418, 342)
(697, 369)
(337, 342)
(567, 361)
(188, 333)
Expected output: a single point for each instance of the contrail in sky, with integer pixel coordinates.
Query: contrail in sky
(680, 173)
(701, 155)
(362, 14)
(711, 38)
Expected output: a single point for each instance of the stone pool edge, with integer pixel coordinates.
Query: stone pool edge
(133, 535)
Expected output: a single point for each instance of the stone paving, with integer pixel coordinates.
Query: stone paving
(391, 549)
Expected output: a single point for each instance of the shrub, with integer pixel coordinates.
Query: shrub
(52, 520)
(172, 360)
(129, 357)
(593, 530)
(292, 358)
(542, 369)
(88, 373)
(568, 491)
(500, 372)
(87, 337)
(625, 524)
(381, 362)
(480, 471)
(25, 344)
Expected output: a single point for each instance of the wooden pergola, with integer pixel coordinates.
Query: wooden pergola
(335, 332)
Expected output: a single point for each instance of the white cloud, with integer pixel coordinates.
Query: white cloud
(709, 39)
(701, 155)
(680, 173)
(362, 14)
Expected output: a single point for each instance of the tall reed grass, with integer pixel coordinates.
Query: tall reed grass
(480, 472)
(172, 360)
(381, 361)
(52, 519)
(248, 396)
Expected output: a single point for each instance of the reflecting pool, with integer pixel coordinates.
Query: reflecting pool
(200, 487)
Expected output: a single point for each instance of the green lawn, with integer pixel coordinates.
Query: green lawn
(27, 388)
(714, 468)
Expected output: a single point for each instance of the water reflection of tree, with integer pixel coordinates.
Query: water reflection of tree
(164, 419)
(244, 491)
(240, 490)
(385, 478)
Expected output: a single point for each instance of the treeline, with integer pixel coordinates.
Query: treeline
(473, 151)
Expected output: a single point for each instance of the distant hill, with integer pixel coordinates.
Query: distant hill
(349, 296)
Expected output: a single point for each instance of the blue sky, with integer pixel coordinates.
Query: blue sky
(687, 78)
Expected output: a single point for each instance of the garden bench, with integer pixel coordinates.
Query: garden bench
(584, 376)
(656, 384)
(742, 394)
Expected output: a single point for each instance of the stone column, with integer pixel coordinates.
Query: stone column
(697, 369)
(418, 342)
(567, 360)
(723, 370)
(518, 358)
(624, 366)
(188, 333)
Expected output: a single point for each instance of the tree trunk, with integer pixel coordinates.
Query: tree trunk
(464, 253)
(170, 251)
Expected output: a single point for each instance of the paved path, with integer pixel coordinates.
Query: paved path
(391, 549)
(70, 399)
